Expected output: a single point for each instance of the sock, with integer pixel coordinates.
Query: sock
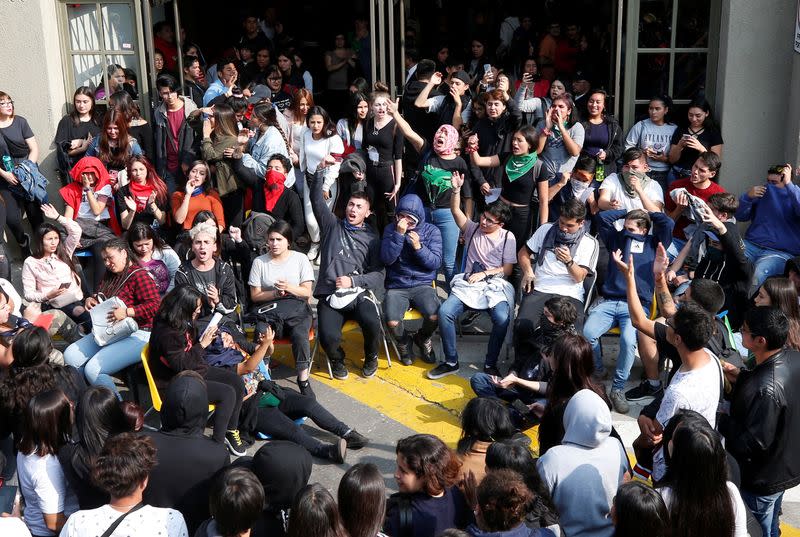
(654, 383)
(641, 473)
(398, 331)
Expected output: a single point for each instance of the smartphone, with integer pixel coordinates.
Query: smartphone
(527, 77)
(8, 497)
(487, 68)
(64, 285)
(687, 136)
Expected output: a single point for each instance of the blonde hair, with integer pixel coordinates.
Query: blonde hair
(208, 228)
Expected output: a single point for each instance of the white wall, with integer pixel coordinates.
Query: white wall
(32, 73)
(758, 92)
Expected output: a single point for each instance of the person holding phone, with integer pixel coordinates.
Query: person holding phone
(688, 143)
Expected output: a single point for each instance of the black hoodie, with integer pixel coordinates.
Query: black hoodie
(187, 460)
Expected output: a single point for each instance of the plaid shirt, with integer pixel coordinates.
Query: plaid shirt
(140, 293)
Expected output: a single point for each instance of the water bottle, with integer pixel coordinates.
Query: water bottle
(8, 164)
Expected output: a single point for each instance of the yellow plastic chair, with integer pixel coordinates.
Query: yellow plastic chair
(653, 316)
(155, 397)
(351, 326)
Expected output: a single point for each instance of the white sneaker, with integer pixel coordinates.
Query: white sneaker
(313, 252)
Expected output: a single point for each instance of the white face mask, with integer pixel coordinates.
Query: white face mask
(578, 186)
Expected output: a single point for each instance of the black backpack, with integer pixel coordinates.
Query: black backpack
(254, 231)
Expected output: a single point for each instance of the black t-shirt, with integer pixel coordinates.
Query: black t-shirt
(519, 191)
(708, 137)
(436, 193)
(281, 100)
(67, 130)
(14, 137)
(388, 141)
(144, 216)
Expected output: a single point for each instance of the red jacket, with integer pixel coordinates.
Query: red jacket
(73, 192)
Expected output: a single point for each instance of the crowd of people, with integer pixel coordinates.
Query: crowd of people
(488, 183)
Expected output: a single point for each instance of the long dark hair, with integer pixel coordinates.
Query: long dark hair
(484, 419)
(431, 461)
(48, 423)
(224, 121)
(98, 417)
(697, 473)
(152, 177)
(328, 128)
(640, 510)
(574, 363)
(75, 116)
(352, 113)
(120, 155)
(121, 100)
(783, 295)
(314, 512)
(703, 104)
(37, 246)
(177, 307)
(268, 115)
(362, 495)
(140, 231)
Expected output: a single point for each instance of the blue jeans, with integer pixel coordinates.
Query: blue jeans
(675, 248)
(444, 221)
(766, 510)
(449, 314)
(99, 363)
(602, 318)
(767, 262)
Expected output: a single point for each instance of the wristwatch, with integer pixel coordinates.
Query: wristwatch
(570, 263)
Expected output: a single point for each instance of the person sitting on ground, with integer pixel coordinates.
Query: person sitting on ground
(411, 250)
(632, 188)
(122, 469)
(271, 195)
(427, 473)
(716, 252)
(314, 512)
(635, 242)
(488, 260)
(483, 422)
(176, 345)
(236, 502)
(187, 460)
(144, 198)
(283, 471)
(554, 262)
(761, 429)
(362, 500)
(502, 502)
(150, 251)
(772, 208)
(350, 269)
(777, 291)
(702, 183)
(583, 473)
(281, 283)
(198, 195)
(639, 509)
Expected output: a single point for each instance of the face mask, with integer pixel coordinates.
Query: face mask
(634, 236)
(578, 186)
(274, 179)
(563, 237)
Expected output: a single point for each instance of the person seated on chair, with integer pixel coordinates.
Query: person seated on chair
(633, 242)
(631, 189)
(716, 252)
(187, 460)
(177, 344)
(350, 268)
(554, 262)
(270, 195)
(280, 283)
(489, 259)
(411, 249)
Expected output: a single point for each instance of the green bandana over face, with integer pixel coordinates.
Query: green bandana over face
(436, 181)
(519, 165)
(644, 180)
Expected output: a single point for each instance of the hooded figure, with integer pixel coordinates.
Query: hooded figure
(283, 470)
(187, 460)
(352, 178)
(584, 472)
(73, 192)
(407, 266)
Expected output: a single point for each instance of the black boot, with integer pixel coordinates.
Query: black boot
(355, 440)
(305, 388)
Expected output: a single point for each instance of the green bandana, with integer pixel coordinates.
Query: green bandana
(519, 165)
(436, 181)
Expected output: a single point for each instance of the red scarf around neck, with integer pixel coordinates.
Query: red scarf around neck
(273, 188)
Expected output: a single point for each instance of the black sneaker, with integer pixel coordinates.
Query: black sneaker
(644, 390)
(370, 367)
(470, 317)
(234, 442)
(404, 350)
(355, 440)
(339, 370)
(442, 370)
(425, 346)
(491, 370)
(305, 388)
(337, 452)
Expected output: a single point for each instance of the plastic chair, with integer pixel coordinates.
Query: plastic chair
(155, 397)
(653, 316)
(410, 315)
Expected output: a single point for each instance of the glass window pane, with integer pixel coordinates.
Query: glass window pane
(655, 23)
(84, 32)
(652, 75)
(690, 75)
(693, 22)
(118, 27)
(87, 70)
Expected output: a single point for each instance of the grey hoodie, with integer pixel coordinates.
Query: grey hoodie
(583, 473)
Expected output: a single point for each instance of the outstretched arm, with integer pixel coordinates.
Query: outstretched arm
(639, 317)
(455, 201)
(415, 139)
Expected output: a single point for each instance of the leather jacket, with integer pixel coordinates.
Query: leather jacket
(763, 429)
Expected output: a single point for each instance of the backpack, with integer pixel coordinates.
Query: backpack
(32, 184)
(254, 231)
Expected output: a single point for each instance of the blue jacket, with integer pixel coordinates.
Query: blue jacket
(615, 287)
(405, 266)
(774, 218)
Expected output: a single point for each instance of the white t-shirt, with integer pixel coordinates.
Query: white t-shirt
(85, 210)
(148, 520)
(42, 484)
(553, 276)
(296, 270)
(739, 513)
(696, 390)
(13, 527)
(613, 183)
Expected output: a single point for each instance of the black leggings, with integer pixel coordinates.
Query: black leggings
(381, 179)
(226, 392)
(330, 321)
(278, 422)
(13, 217)
(233, 207)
